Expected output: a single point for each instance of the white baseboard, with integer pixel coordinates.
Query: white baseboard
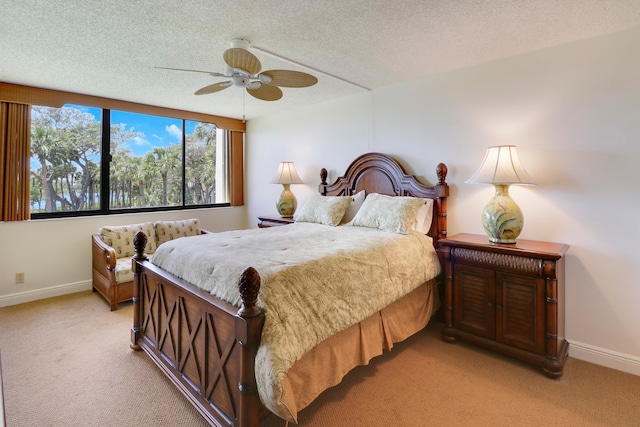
(54, 291)
(604, 357)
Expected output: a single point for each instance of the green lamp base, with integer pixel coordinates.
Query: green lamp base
(502, 218)
(287, 203)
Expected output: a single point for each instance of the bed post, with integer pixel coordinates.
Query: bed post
(322, 188)
(249, 324)
(442, 192)
(139, 242)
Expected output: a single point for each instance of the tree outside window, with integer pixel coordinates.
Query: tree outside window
(145, 163)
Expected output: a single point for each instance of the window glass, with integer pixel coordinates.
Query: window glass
(144, 169)
(206, 164)
(65, 159)
(146, 161)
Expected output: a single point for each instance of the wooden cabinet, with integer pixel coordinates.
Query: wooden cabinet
(273, 221)
(507, 297)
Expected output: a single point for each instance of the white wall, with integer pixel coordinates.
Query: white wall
(574, 113)
(55, 255)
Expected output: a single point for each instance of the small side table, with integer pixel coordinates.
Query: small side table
(273, 221)
(508, 298)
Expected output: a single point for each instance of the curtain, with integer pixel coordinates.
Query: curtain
(236, 173)
(15, 154)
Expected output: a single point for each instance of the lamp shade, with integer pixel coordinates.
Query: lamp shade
(286, 174)
(501, 165)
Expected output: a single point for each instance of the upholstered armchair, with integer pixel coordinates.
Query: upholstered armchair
(112, 251)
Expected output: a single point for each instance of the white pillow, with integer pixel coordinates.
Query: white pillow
(422, 223)
(394, 214)
(352, 210)
(327, 210)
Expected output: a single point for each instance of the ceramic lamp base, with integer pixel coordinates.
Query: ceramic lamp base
(287, 203)
(502, 218)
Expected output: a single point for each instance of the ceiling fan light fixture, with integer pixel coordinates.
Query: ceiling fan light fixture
(254, 85)
(239, 72)
(264, 78)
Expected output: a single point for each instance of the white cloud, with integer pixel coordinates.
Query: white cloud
(174, 131)
(137, 140)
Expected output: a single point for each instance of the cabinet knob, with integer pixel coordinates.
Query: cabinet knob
(498, 307)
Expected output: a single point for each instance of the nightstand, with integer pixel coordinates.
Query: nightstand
(273, 221)
(507, 297)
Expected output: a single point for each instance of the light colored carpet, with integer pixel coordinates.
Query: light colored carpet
(67, 362)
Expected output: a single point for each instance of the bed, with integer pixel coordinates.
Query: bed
(210, 347)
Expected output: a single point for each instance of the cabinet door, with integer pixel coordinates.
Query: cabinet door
(473, 296)
(520, 311)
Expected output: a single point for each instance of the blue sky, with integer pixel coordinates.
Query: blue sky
(156, 131)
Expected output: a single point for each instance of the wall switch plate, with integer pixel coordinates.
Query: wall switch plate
(19, 278)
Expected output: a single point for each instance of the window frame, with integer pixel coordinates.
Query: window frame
(53, 98)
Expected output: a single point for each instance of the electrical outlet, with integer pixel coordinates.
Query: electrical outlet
(19, 278)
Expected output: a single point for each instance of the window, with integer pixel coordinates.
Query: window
(206, 164)
(153, 162)
(65, 159)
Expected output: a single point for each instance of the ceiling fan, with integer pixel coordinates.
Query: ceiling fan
(243, 69)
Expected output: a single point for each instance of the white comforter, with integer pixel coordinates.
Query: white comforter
(316, 281)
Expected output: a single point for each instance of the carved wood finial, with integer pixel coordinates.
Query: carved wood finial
(323, 176)
(249, 286)
(441, 171)
(140, 242)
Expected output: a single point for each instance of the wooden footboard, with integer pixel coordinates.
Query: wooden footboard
(206, 346)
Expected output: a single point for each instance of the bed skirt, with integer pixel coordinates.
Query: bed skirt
(326, 364)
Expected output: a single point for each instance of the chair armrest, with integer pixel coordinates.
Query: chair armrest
(103, 256)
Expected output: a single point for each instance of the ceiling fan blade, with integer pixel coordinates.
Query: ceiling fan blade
(213, 73)
(266, 92)
(290, 78)
(216, 87)
(236, 57)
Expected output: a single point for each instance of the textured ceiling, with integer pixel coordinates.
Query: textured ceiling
(111, 49)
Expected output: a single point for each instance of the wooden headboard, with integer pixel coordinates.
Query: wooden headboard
(379, 173)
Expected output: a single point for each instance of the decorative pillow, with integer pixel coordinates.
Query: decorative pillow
(394, 214)
(120, 238)
(169, 230)
(352, 210)
(424, 217)
(327, 210)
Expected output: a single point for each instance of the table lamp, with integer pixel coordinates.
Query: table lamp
(286, 176)
(501, 218)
